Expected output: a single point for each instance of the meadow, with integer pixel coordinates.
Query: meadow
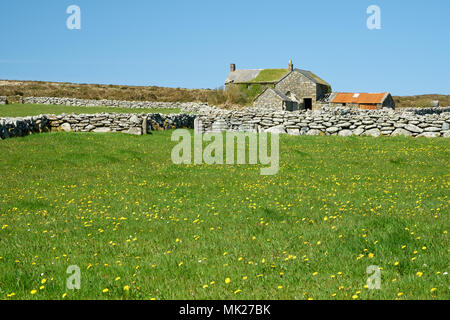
(23, 110)
(140, 227)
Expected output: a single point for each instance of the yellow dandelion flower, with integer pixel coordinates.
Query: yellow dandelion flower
(126, 288)
(105, 290)
(33, 291)
(419, 274)
(227, 280)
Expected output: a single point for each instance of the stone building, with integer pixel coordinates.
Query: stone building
(365, 101)
(274, 99)
(302, 88)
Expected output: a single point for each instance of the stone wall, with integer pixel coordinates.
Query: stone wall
(3, 100)
(103, 122)
(328, 122)
(184, 106)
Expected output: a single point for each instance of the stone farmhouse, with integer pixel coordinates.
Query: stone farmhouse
(296, 89)
(365, 101)
(284, 89)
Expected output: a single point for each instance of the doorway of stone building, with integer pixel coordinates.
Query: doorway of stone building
(308, 103)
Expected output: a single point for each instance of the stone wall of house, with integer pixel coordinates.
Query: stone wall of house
(300, 86)
(184, 106)
(103, 122)
(328, 122)
(269, 99)
(3, 100)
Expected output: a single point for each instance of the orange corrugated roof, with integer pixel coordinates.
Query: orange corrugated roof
(343, 97)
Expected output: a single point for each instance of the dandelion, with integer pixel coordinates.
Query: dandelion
(117, 279)
(33, 291)
(400, 294)
(227, 280)
(105, 290)
(126, 288)
(280, 287)
(12, 294)
(419, 274)
(237, 291)
(64, 295)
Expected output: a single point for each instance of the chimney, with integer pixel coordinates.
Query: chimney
(291, 66)
(232, 67)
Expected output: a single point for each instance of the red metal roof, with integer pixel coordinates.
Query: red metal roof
(343, 97)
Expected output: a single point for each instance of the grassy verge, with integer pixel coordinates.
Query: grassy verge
(23, 110)
(140, 227)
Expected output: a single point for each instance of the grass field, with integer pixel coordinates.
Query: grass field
(23, 110)
(140, 227)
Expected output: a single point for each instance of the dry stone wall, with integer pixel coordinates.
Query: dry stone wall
(328, 122)
(136, 124)
(184, 106)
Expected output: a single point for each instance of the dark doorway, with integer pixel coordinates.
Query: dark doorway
(308, 103)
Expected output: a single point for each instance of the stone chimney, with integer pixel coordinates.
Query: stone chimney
(232, 67)
(291, 66)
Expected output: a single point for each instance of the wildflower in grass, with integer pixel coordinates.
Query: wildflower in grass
(227, 280)
(105, 290)
(237, 291)
(117, 279)
(12, 294)
(64, 295)
(43, 281)
(280, 287)
(205, 286)
(355, 296)
(400, 294)
(396, 263)
(33, 291)
(126, 288)
(371, 255)
(419, 274)
(315, 273)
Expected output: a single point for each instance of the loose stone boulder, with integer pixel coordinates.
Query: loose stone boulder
(413, 128)
(102, 130)
(276, 129)
(373, 132)
(429, 134)
(401, 132)
(345, 133)
(134, 131)
(66, 127)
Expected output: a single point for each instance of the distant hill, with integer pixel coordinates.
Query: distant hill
(15, 89)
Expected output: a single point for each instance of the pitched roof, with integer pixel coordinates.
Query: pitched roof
(242, 76)
(313, 77)
(347, 97)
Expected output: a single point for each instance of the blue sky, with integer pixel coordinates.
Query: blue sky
(190, 44)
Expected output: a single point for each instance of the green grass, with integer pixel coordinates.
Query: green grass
(116, 206)
(22, 110)
(270, 75)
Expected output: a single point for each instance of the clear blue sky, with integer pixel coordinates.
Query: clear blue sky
(190, 44)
